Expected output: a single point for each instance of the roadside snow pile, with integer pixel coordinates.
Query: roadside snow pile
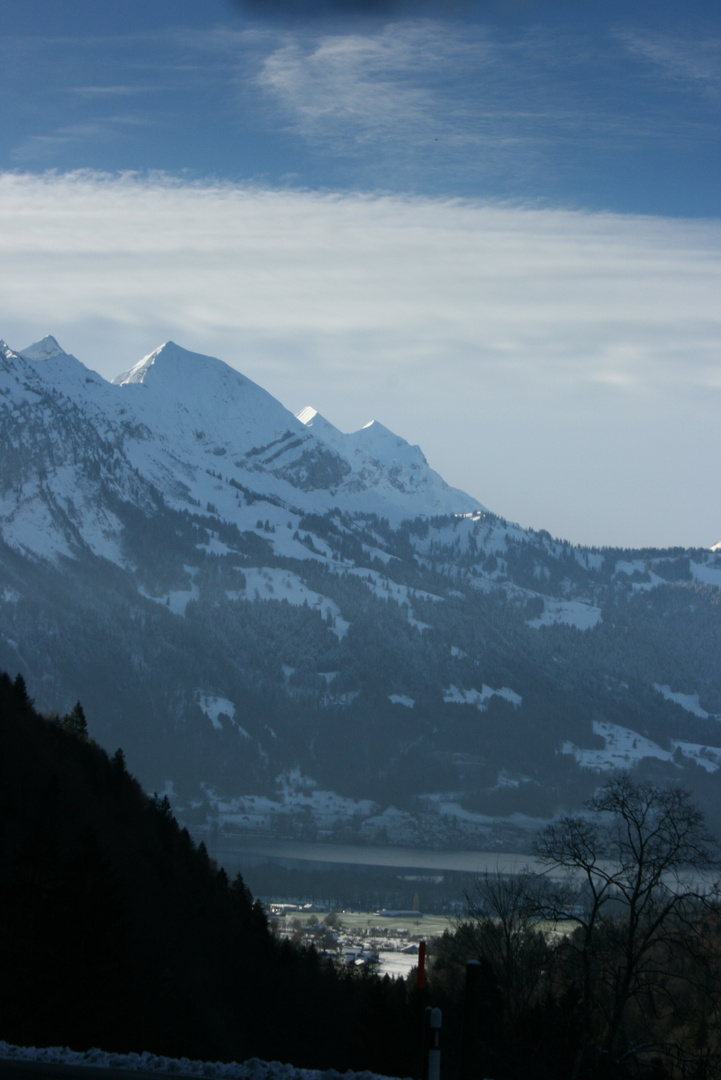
(253, 1069)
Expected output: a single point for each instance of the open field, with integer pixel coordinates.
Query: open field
(425, 926)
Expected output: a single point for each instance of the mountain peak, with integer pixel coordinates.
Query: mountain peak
(45, 349)
(376, 439)
(179, 366)
(311, 418)
(374, 427)
(136, 374)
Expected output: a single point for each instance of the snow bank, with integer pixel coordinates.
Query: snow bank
(253, 1069)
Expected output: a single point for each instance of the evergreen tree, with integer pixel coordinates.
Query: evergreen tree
(74, 722)
(118, 760)
(21, 691)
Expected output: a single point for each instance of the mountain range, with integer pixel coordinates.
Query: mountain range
(295, 631)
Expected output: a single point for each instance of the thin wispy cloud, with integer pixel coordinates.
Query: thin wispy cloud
(406, 104)
(391, 80)
(527, 95)
(694, 63)
(108, 91)
(36, 149)
(505, 279)
(475, 255)
(352, 80)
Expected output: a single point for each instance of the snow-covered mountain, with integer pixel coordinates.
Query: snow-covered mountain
(292, 627)
(170, 420)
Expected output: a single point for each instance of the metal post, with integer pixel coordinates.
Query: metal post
(434, 1044)
(425, 1036)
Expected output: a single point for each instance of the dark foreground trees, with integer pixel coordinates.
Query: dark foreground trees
(117, 931)
(605, 960)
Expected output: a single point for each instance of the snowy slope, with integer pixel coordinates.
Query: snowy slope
(197, 407)
(389, 466)
(63, 466)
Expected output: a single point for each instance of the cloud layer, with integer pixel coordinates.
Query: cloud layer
(491, 334)
(603, 115)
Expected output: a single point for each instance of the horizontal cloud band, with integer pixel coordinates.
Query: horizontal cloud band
(609, 295)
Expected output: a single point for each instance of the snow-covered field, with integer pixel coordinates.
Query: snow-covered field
(252, 1069)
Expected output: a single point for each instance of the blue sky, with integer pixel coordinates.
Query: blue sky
(495, 227)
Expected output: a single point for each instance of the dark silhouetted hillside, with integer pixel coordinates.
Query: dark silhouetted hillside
(117, 931)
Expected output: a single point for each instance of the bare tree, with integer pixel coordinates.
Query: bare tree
(502, 931)
(638, 867)
(503, 992)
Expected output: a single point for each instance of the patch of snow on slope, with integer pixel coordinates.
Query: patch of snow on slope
(629, 567)
(214, 547)
(253, 1069)
(385, 589)
(29, 527)
(689, 702)
(176, 601)
(480, 698)
(293, 781)
(396, 825)
(447, 806)
(272, 583)
(570, 612)
(708, 757)
(623, 749)
(99, 527)
(708, 575)
(295, 792)
(214, 706)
